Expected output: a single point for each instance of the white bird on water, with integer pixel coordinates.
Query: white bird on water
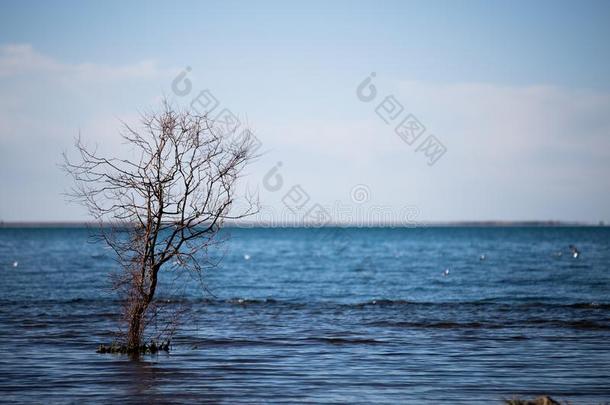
(446, 272)
(15, 263)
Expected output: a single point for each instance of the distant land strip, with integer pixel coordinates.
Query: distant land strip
(245, 224)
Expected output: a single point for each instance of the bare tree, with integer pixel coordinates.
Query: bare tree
(162, 208)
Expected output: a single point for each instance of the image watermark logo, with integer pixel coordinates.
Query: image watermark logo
(226, 122)
(181, 85)
(360, 193)
(366, 91)
(410, 129)
(273, 180)
(204, 102)
(299, 209)
(432, 148)
(296, 198)
(297, 205)
(317, 216)
(389, 109)
(406, 125)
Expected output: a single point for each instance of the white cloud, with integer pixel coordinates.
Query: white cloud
(44, 104)
(520, 128)
(514, 152)
(509, 125)
(23, 59)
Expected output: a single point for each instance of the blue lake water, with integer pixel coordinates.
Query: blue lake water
(321, 316)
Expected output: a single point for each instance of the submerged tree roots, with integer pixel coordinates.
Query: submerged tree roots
(151, 348)
(543, 400)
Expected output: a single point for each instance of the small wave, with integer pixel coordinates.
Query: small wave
(32, 302)
(576, 324)
(219, 342)
(498, 303)
(579, 266)
(384, 303)
(344, 341)
(434, 325)
(587, 324)
(521, 303)
(246, 301)
(589, 305)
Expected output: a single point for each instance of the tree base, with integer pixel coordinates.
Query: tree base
(151, 348)
(543, 400)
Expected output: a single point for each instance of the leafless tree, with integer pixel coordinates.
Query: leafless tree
(161, 208)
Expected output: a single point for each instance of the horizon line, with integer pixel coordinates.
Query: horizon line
(418, 224)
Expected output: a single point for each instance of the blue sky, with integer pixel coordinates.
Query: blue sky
(517, 92)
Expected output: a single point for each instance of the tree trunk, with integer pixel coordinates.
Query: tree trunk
(136, 327)
(134, 335)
